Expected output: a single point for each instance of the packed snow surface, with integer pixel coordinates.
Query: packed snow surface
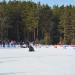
(45, 60)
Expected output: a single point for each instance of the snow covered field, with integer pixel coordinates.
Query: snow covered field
(44, 61)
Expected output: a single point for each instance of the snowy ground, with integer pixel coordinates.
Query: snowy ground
(44, 61)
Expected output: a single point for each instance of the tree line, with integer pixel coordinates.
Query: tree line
(26, 20)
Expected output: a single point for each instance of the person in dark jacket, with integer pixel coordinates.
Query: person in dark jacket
(31, 49)
(3, 43)
(27, 43)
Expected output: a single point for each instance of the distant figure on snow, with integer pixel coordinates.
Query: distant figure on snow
(27, 44)
(3, 43)
(31, 48)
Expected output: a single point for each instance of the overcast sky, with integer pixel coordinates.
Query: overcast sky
(54, 2)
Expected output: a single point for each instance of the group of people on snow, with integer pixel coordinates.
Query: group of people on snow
(14, 44)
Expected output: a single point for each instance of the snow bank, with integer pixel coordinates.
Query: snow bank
(46, 60)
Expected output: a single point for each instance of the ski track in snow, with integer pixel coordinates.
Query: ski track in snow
(43, 61)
